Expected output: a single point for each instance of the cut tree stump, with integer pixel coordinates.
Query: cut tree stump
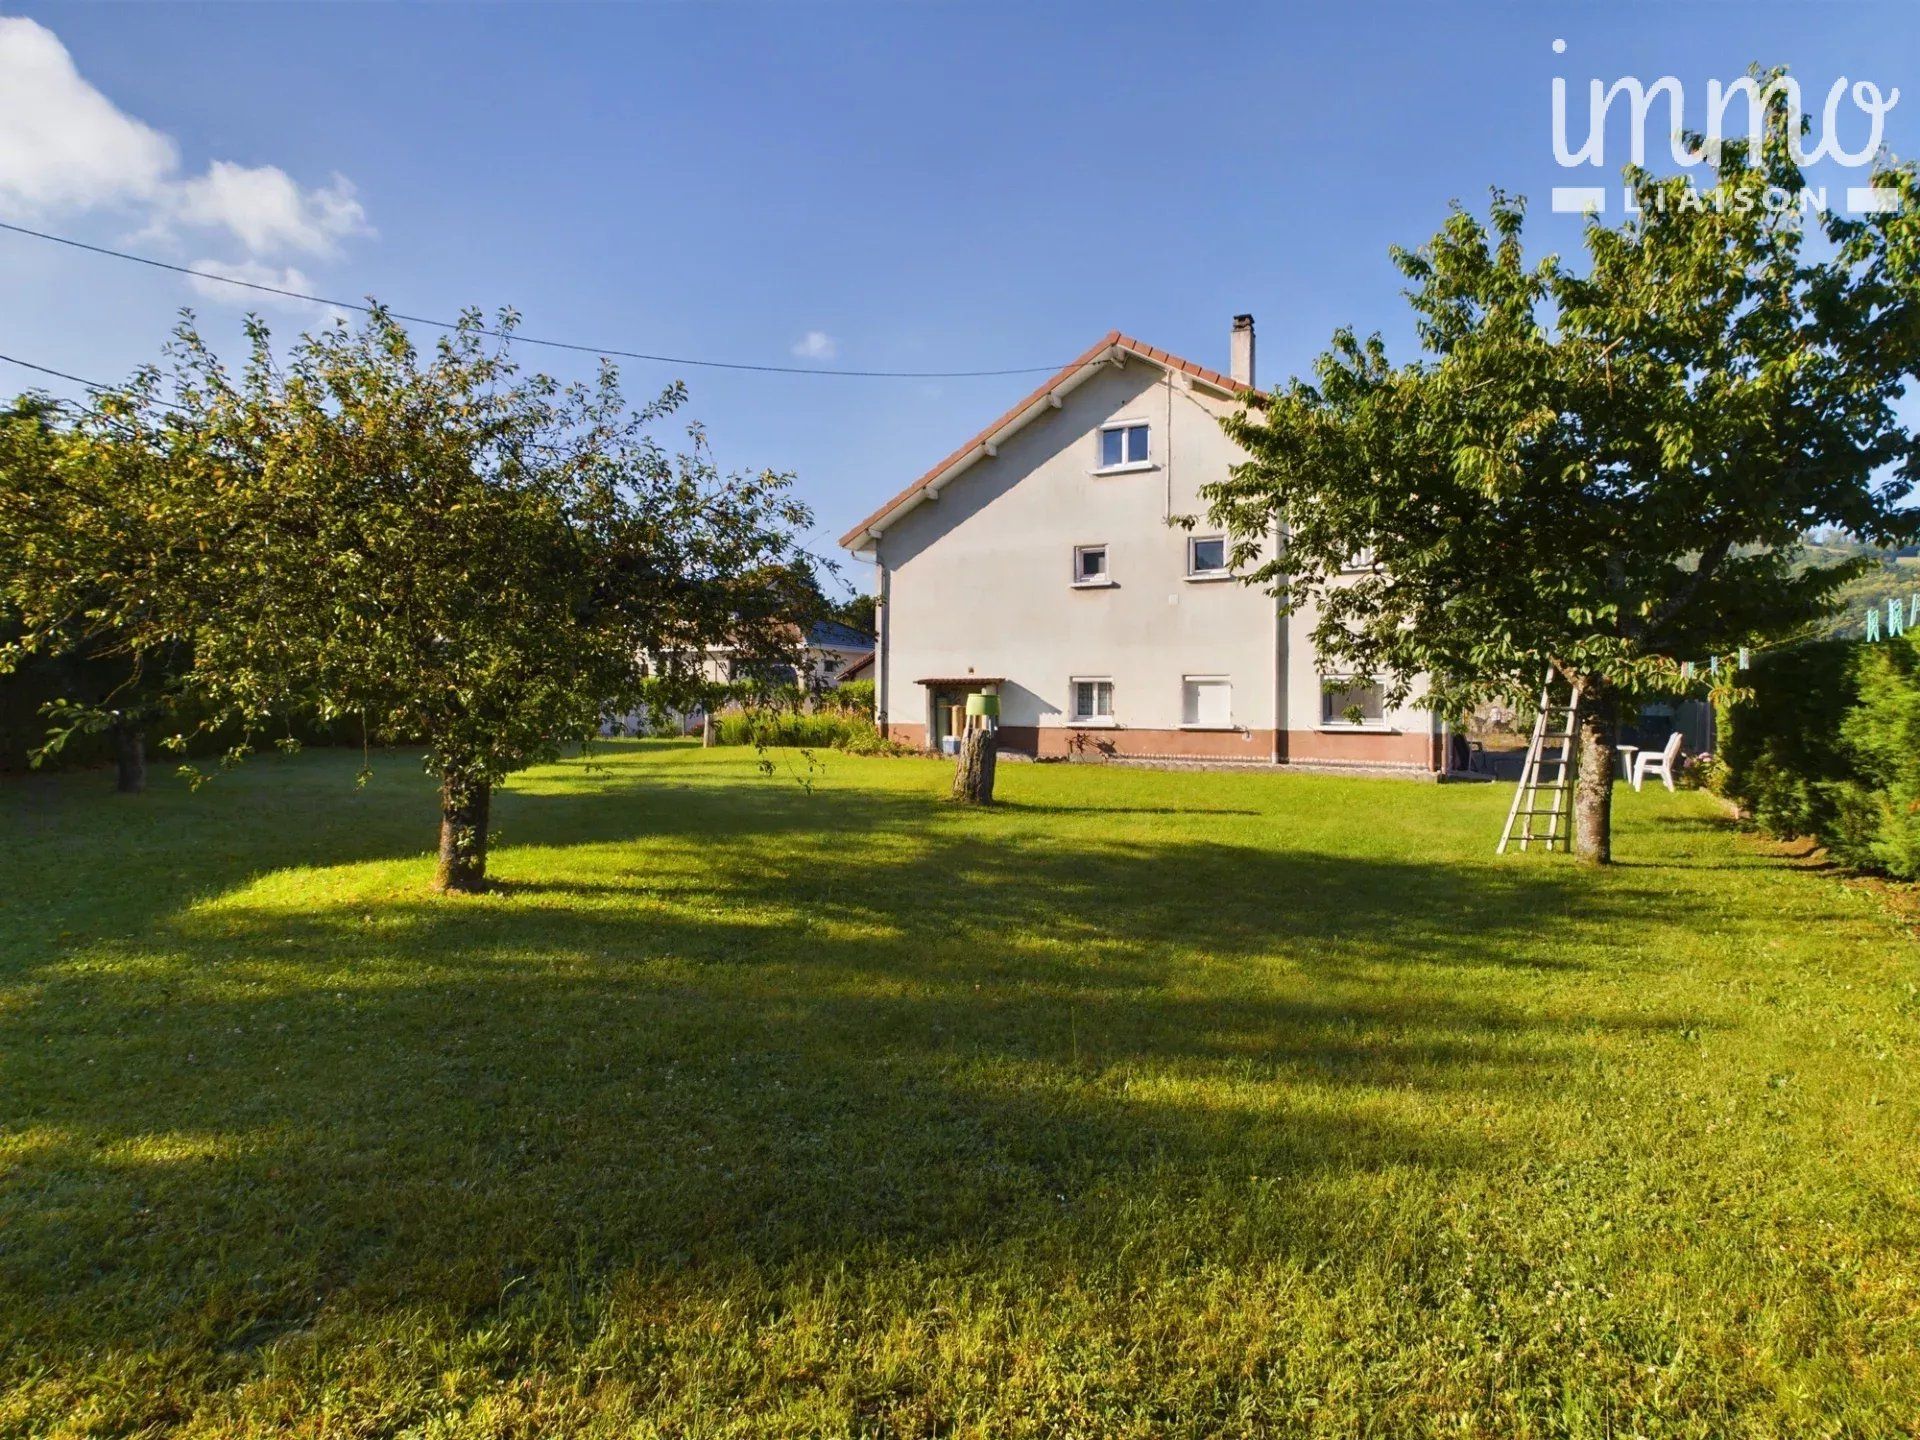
(973, 776)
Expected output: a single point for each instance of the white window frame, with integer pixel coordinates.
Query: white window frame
(1359, 560)
(1088, 722)
(1327, 684)
(1093, 582)
(1186, 724)
(1125, 467)
(1225, 572)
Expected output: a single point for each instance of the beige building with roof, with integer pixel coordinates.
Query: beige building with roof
(1043, 560)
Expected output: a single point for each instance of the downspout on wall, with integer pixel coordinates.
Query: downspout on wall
(883, 617)
(1240, 369)
(1281, 658)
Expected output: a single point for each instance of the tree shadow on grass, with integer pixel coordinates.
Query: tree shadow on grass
(712, 1028)
(1028, 807)
(1672, 831)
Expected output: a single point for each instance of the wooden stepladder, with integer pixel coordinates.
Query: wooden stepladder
(1554, 723)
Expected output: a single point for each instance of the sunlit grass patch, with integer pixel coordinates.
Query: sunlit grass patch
(1146, 1103)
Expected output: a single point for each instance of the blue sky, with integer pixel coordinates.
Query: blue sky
(927, 187)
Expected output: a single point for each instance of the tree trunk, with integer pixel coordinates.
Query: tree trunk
(973, 776)
(1593, 782)
(464, 807)
(130, 759)
(706, 730)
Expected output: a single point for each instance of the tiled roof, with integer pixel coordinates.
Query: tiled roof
(832, 635)
(1112, 339)
(854, 666)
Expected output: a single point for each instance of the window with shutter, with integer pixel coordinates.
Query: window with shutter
(1206, 702)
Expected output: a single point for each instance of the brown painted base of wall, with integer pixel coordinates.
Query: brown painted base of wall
(1405, 749)
(1408, 752)
(1062, 742)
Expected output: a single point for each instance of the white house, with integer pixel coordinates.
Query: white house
(1042, 560)
(826, 654)
(831, 650)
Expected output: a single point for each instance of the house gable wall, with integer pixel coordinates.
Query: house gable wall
(981, 579)
(980, 582)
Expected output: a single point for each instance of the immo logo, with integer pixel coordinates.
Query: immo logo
(1745, 100)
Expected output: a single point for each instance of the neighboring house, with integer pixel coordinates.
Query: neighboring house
(831, 649)
(859, 668)
(1042, 560)
(816, 664)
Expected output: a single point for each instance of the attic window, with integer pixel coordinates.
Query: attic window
(1124, 443)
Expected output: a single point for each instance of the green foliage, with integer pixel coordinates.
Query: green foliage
(857, 611)
(434, 547)
(856, 697)
(1826, 743)
(26, 690)
(1780, 740)
(1888, 576)
(795, 728)
(841, 719)
(1876, 823)
(1147, 1104)
(818, 730)
(458, 551)
(94, 575)
(1609, 468)
(866, 739)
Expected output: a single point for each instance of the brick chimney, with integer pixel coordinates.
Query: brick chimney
(1240, 365)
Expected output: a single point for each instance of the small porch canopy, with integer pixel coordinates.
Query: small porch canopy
(946, 702)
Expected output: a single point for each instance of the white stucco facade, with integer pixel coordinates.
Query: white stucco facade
(980, 585)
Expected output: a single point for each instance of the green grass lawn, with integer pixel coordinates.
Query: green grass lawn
(1148, 1104)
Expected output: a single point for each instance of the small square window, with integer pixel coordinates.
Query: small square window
(1090, 565)
(1342, 703)
(1093, 699)
(1123, 445)
(1206, 701)
(1207, 555)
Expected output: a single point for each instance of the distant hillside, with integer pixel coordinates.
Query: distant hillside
(1895, 573)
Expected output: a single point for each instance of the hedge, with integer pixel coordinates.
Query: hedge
(1876, 821)
(1827, 745)
(821, 730)
(1781, 746)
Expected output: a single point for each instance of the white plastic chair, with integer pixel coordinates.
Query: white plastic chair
(1648, 763)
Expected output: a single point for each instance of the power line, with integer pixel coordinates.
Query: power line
(515, 336)
(97, 388)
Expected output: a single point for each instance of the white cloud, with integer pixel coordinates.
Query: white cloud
(63, 145)
(65, 148)
(266, 211)
(816, 345)
(255, 273)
